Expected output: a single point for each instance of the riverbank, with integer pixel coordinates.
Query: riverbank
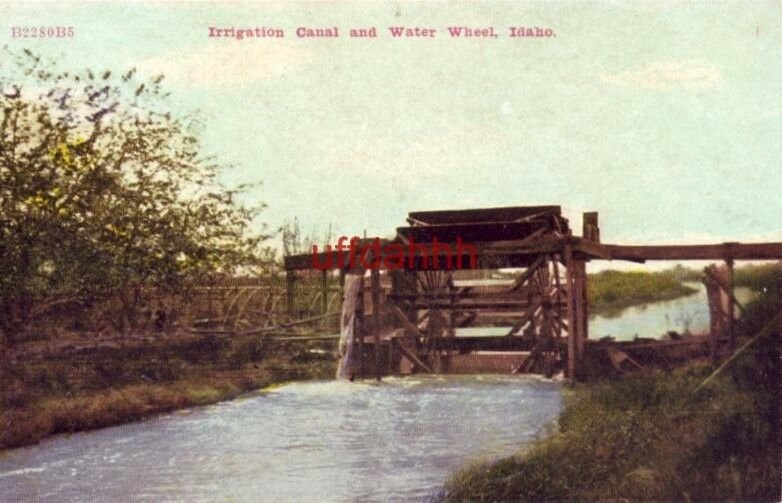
(654, 437)
(77, 388)
(611, 291)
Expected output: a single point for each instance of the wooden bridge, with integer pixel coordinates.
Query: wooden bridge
(431, 316)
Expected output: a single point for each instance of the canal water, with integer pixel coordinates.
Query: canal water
(689, 313)
(309, 441)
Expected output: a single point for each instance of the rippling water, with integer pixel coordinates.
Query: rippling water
(308, 441)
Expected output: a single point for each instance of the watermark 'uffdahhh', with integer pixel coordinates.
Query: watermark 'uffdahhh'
(395, 256)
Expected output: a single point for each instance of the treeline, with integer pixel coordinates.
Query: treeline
(105, 192)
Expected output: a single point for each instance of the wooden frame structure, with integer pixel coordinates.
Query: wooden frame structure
(410, 320)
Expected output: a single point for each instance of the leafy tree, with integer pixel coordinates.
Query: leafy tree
(104, 191)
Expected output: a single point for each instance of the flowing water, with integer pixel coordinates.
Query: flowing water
(310, 441)
(321, 441)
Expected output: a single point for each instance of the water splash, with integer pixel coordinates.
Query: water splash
(347, 327)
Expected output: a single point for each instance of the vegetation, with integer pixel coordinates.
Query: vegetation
(103, 191)
(83, 388)
(613, 290)
(653, 437)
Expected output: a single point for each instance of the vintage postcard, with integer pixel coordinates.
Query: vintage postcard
(390, 251)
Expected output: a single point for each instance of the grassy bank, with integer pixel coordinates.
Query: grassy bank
(652, 437)
(94, 387)
(609, 291)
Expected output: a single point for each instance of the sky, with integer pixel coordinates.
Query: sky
(665, 117)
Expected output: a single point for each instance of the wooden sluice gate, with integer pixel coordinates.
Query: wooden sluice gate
(439, 297)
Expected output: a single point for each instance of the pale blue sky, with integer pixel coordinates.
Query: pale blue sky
(664, 117)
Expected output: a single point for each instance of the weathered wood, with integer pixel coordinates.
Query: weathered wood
(737, 251)
(470, 233)
(360, 328)
(725, 288)
(579, 293)
(408, 325)
(571, 315)
(303, 321)
(290, 290)
(527, 316)
(731, 309)
(527, 274)
(591, 230)
(412, 357)
(375, 277)
(502, 214)
(324, 290)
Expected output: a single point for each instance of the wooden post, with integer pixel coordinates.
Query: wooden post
(360, 328)
(375, 274)
(591, 230)
(571, 315)
(290, 291)
(579, 290)
(324, 290)
(731, 308)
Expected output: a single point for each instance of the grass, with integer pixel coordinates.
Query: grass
(104, 387)
(651, 437)
(614, 290)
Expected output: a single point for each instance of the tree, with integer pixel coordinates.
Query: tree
(103, 190)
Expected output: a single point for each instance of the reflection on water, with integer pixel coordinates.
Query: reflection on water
(690, 313)
(312, 441)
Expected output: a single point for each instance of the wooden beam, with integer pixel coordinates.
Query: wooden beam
(508, 213)
(290, 291)
(731, 309)
(527, 274)
(736, 251)
(375, 276)
(733, 298)
(527, 316)
(412, 357)
(360, 327)
(472, 232)
(324, 290)
(571, 316)
(401, 316)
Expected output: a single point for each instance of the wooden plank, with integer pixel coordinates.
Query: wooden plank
(409, 326)
(527, 274)
(579, 293)
(737, 251)
(527, 316)
(733, 298)
(508, 213)
(412, 357)
(731, 309)
(324, 290)
(290, 290)
(472, 232)
(375, 276)
(571, 317)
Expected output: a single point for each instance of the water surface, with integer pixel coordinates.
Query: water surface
(308, 441)
(688, 313)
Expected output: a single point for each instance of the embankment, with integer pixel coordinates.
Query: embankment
(610, 291)
(653, 437)
(80, 387)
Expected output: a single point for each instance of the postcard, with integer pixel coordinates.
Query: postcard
(390, 251)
